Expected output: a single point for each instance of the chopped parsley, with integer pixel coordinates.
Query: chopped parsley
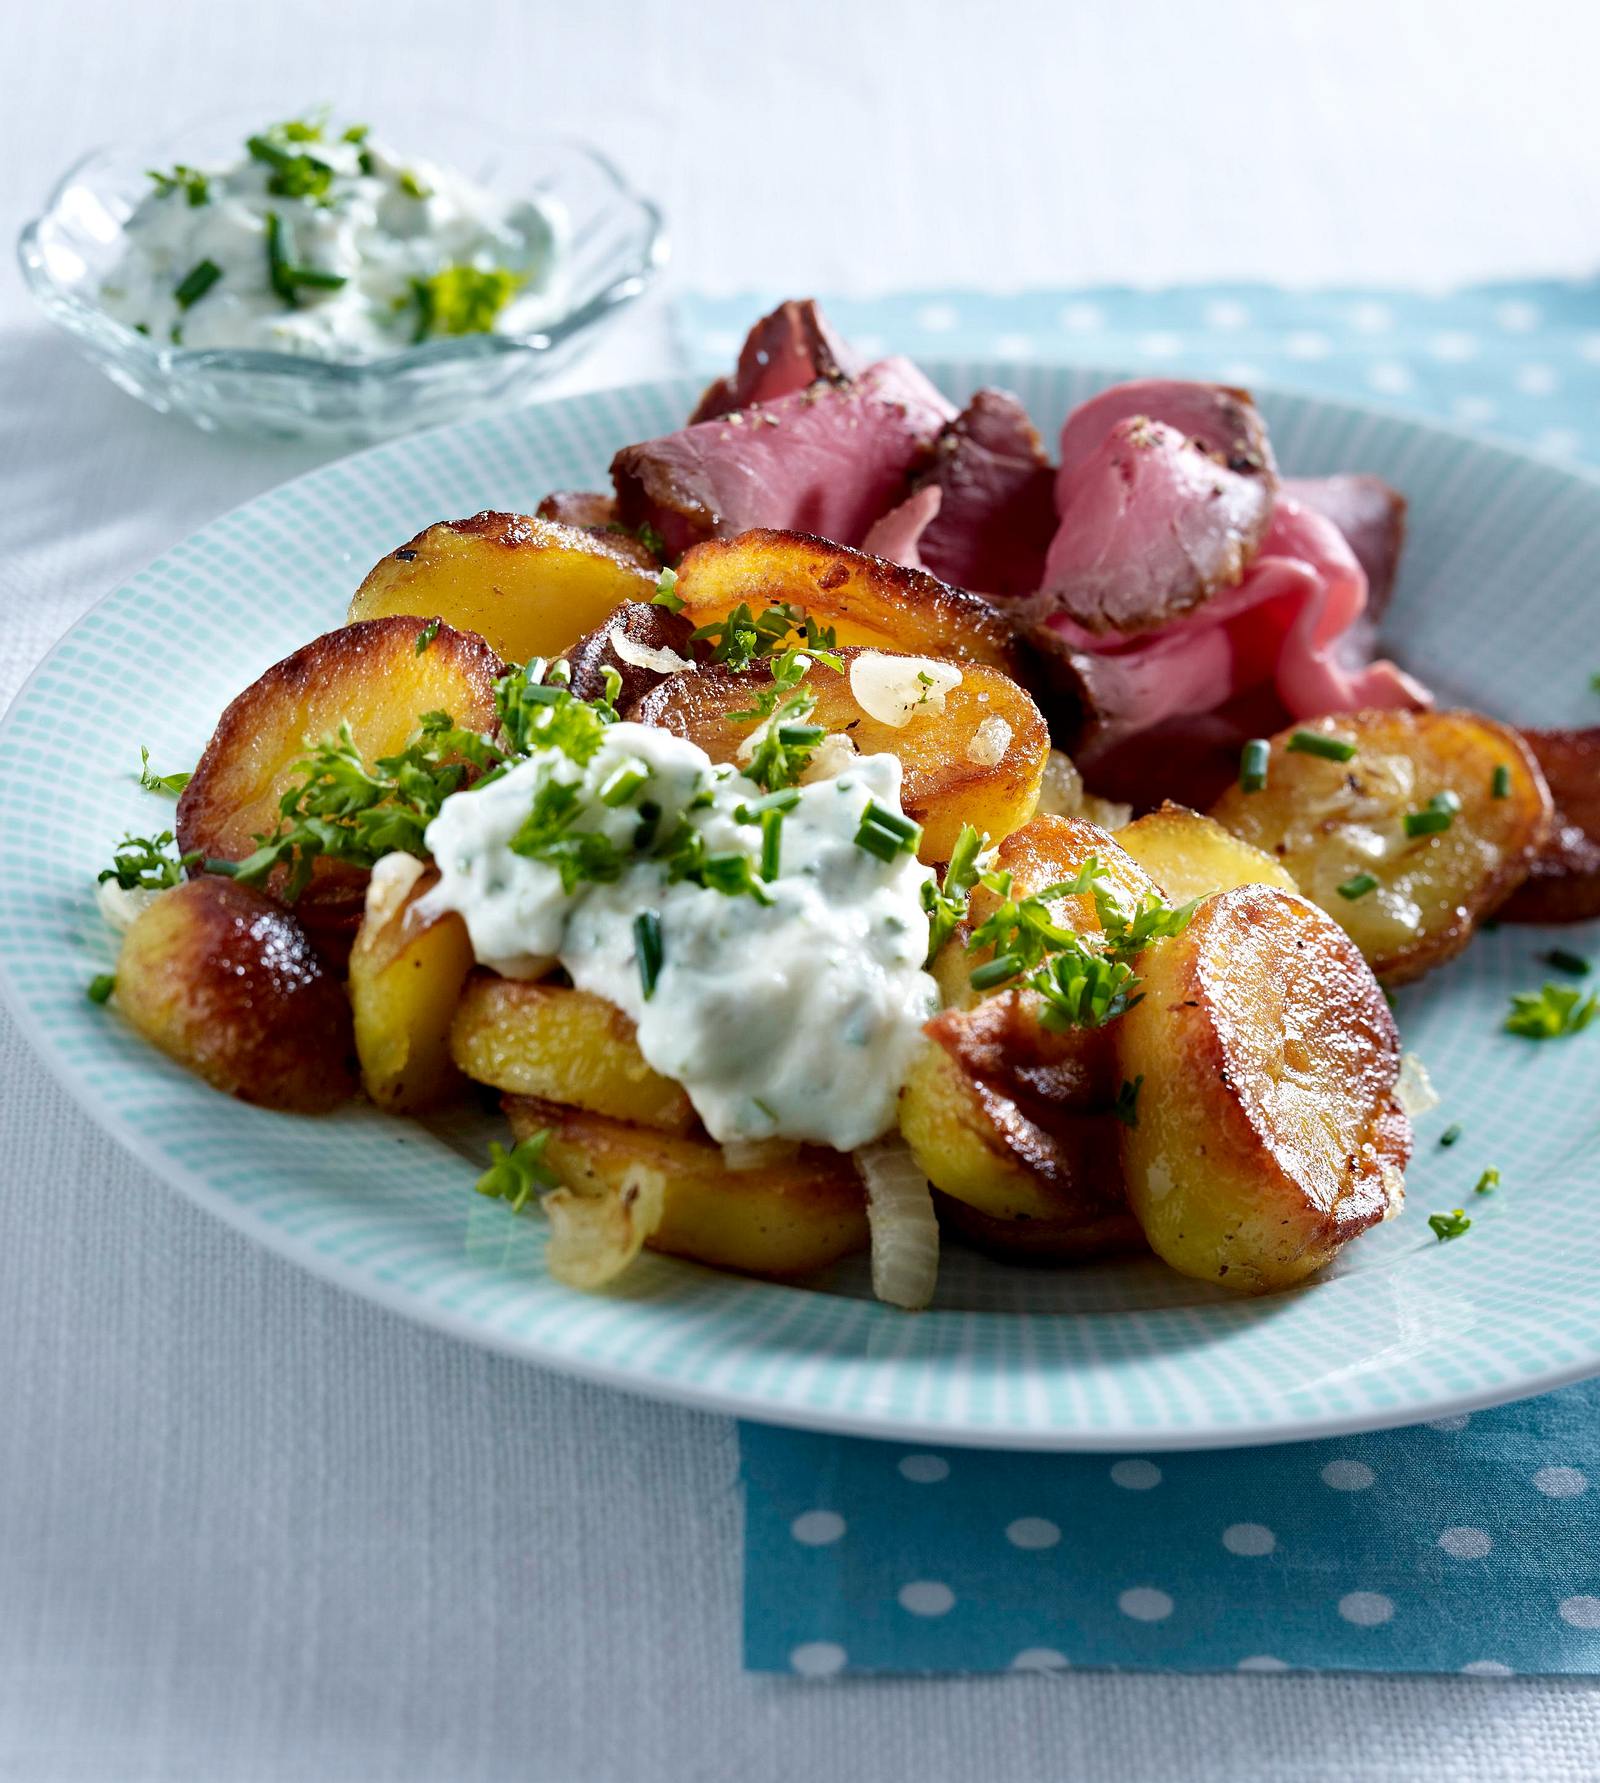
(148, 863)
(100, 987)
(1126, 1106)
(295, 171)
(666, 594)
(426, 636)
(946, 904)
(1253, 760)
(462, 299)
(190, 181)
(412, 186)
(652, 541)
(743, 638)
(1448, 1225)
(168, 783)
(1320, 743)
(516, 1176)
(1551, 1013)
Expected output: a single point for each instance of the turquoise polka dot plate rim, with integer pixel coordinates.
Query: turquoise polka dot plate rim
(1496, 608)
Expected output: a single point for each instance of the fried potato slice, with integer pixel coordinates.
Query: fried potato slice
(406, 972)
(370, 674)
(1041, 1242)
(781, 1219)
(224, 981)
(1268, 1129)
(529, 587)
(1330, 821)
(1190, 856)
(562, 1045)
(867, 600)
(1563, 884)
(944, 785)
(651, 637)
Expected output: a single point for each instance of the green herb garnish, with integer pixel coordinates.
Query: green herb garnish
(1253, 760)
(1451, 1134)
(515, 1176)
(168, 783)
(1448, 1225)
(1436, 817)
(194, 185)
(196, 282)
(1126, 1106)
(1500, 782)
(296, 173)
(743, 638)
(1551, 1013)
(946, 904)
(1488, 1182)
(412, 186)
(886, 834)
(426, 636)
(147, 863)
(647, 949)
(771, 843)
(1563, 961)
(666, 594)
(652, 541)
(284, 276)
(1358, 885)
(100, 987)
(462, 299)
(1319, 743)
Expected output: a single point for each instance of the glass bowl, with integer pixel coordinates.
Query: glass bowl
(610, 244)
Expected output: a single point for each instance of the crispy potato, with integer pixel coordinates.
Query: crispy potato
(783, 1219)
(1328, 821)
(1040, 1242)
(1268, 1129)
(224, 981)
(1189, 855)
(979, 1146)
(649, 629)
(562, 1045)
(943, 786)
(406, 974)
(370, 674)
(867, 600)
(529, 587)
(1563, 884)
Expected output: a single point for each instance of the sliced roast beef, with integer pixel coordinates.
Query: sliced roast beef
(898, 534)
(784, 352)
(996, 514)
(1564, 885)
(1152, 526)
(1372, 517)
(828, 459)
(1222, 422)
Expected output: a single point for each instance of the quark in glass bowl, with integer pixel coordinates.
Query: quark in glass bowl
(254, 291)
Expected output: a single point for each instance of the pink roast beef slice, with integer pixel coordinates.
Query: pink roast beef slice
(897, 535)
(828, 459)
(1296, 623)
(1223, 422)
(1152, 527)
(784, 352)
(1372, 517)
(997, 515)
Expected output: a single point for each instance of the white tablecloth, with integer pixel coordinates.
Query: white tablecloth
(251, 1529)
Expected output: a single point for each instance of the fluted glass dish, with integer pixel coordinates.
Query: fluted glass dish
(610, 244)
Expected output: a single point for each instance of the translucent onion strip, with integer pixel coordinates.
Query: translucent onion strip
(905, 1232)
(594, 1238)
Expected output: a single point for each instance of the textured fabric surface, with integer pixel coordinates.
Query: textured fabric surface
(254, 1532)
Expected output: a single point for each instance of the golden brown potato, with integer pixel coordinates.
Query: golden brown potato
(562, 1045)
(1189, 855)
(369, 674)
(867, 600)
(651, 630)
(1043, 1243)
(1563, 884)
(783, 1219)
(529, 587)
(406, 974)
(980, 1146)
(943, 786)
(1330, 822)
(1268, 1131)
(224, 981)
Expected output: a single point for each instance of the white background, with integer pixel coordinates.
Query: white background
(250, 1529)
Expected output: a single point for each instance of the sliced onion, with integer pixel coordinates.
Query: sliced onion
(757, 1154)
(896, 689)
(833, 755)
(642, 656)
(905, 1231)
(989, 742)
(1414, 1090)
(119, 905)
(594, 1238)
(393, 876)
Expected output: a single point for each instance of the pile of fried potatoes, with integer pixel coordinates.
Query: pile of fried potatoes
(1241, 1119)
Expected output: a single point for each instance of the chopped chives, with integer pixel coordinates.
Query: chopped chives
(1253, 759)
(1358, 885)
(197, 281)
(101, 986)
(1500, 783)
(885, 834)
(996, 971)
(426, 636)
(1451, 1134)
(1435, 819)
(1319, 743)
(1563, 961)
(771, 842)
(784, 799)
(801, 736)
(647, 949)
(1488, 1182)
(623, 782)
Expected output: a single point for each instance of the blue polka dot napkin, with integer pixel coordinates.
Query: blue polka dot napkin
(1470, 1545)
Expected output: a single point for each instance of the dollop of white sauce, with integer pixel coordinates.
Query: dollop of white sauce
(370, 227)
(797, 1019)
